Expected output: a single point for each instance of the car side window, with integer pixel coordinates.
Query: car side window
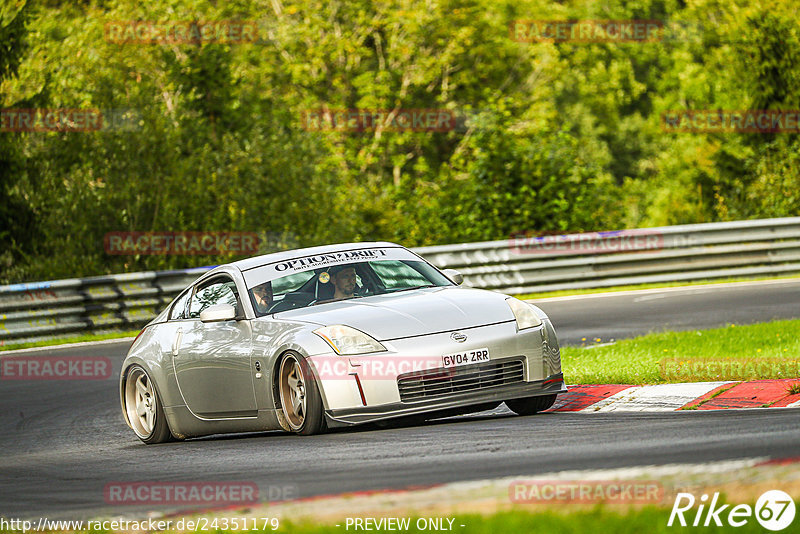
(178, 310)
(219, 291)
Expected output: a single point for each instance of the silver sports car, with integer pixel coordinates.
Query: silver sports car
(332, 336)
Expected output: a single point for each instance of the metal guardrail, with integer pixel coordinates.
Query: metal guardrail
(45, 310)
(672, 253)
(520, 264)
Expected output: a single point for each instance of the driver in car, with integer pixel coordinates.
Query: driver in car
(344, 281)
(262, 297)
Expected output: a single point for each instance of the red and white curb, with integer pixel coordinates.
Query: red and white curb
(670, 397)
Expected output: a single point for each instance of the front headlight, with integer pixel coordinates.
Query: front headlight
(346, 340)
(526, 317)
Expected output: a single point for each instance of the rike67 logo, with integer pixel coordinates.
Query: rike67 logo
(774, 510)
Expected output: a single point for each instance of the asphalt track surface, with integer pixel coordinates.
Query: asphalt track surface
(611, 316)
(63, 441)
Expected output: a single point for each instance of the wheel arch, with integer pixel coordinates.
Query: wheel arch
(127, 366)
(309, 364)
(312, 375)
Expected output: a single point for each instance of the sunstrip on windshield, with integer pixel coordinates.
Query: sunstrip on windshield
(276, 270)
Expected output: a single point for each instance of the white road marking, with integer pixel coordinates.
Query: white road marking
(656, 398)
(68, 346)
(654, 470)
(645, 298)
(725, 285)
(624, 473)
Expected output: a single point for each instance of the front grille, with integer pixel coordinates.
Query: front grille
(442, 382)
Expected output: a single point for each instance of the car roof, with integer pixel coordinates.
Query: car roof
(258, 261)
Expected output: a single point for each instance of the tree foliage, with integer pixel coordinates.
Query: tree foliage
(551, 136)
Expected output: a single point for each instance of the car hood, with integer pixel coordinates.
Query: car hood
(412, 313)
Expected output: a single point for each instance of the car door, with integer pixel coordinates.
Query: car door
(212, 360)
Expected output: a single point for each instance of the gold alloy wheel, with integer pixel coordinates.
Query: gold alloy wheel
(292, 388)
(140, 402)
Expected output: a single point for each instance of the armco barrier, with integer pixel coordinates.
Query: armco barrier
(42, 310)
(516, 265)
(676, 253)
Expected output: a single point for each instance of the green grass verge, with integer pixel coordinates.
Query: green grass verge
(751, 352)
(63, 341)
(594, 290)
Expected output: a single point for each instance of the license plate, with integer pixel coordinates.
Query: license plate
(468, 357)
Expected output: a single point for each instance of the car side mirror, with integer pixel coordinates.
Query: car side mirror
(456, 277)
(218, 312)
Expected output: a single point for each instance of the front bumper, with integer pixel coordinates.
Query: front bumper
(553, 385)
(410, 377)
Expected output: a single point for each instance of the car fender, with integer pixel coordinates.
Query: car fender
(150, 354)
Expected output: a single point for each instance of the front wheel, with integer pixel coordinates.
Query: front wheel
(300, 400)
(143, 407)
(531, 405)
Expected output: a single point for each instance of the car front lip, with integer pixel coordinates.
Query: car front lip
(553, 384)
(367, 388)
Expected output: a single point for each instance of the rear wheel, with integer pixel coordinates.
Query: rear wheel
(300, 400)
(143, 407)
(531, 405)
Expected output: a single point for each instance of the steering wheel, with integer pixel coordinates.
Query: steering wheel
(363, 291)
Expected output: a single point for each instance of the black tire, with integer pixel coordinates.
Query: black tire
(531, 405)
(143, 407)
(299, 396)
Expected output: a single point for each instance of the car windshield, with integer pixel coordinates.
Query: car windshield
(342, 281)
